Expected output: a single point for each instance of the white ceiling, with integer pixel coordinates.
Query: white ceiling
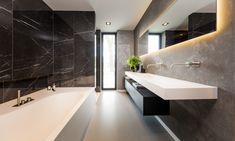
(177, 14)
(124, 14)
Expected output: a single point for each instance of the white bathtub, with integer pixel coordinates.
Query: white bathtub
(44, 118)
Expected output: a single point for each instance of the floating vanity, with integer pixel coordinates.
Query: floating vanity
(163, 89)
(173, 89)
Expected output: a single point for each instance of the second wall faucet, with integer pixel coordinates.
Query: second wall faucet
(194, 64)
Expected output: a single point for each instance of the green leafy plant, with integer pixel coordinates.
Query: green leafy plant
(133, 62)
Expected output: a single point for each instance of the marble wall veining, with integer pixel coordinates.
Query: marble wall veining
(40, 46)
(74, 48)
(20, 69)
(5, 39)
(84, 35)
(32, 44)
(63, 48)
(203, 120)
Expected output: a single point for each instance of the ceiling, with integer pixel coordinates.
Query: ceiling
(123, 14)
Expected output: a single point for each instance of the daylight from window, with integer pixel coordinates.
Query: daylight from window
(109, 61)
(153, 43)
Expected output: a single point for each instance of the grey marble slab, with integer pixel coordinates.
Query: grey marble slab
(46, 47)
(33, 44)
(6, 40)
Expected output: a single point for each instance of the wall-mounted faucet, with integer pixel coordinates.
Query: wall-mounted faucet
(51, 87)
(151, 65)
(195, 64)
(157, 64)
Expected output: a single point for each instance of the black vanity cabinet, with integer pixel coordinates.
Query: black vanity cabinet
(147, 102)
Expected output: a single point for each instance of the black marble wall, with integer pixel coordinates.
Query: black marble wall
(201, 24)
(27, 47)
(5, 39)
(32, 44)
(84, 35)
(74, 48)
(175, 36)
(40, 46)
(63, 48)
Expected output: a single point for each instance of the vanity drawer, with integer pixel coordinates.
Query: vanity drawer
(146, 101)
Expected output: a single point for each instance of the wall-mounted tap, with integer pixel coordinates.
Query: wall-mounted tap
(157, 64)
(51, 87)
(195, 64)
(151, 65)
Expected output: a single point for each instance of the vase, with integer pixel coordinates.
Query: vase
(133, 69)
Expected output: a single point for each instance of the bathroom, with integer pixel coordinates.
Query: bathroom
(65, 73)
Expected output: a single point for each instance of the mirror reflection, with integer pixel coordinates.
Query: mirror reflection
(192, 18)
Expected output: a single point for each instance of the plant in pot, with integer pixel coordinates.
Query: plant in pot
(134, 62)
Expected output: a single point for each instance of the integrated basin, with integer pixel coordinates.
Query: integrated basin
(174, 89)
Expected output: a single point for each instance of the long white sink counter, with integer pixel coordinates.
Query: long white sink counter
(173, 89)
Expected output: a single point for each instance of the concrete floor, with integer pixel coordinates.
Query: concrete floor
(116, 118)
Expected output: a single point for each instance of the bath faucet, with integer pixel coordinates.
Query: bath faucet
(21, 102)
(18, 98)
(51, 87)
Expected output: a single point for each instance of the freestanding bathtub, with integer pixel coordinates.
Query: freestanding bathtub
(62, 116)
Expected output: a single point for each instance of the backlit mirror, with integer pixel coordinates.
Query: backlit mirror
(181, 21)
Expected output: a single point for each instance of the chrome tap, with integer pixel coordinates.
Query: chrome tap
(18, 98)
(195, 64)
(51, 87)
(156, 64)
(21, 102)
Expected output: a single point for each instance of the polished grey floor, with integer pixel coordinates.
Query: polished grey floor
(117, 119)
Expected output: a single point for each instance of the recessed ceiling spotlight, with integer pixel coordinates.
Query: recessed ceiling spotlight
(108, 23)
(165, 24)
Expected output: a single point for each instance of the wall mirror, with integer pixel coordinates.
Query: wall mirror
(183, 20)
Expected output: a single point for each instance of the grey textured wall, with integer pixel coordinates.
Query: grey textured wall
(203, 120)
(142, 44)
(125, 49)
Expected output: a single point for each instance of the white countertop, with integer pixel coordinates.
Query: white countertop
(173, 89)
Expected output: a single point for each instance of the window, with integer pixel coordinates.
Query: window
(109, 61)
(154, 42)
